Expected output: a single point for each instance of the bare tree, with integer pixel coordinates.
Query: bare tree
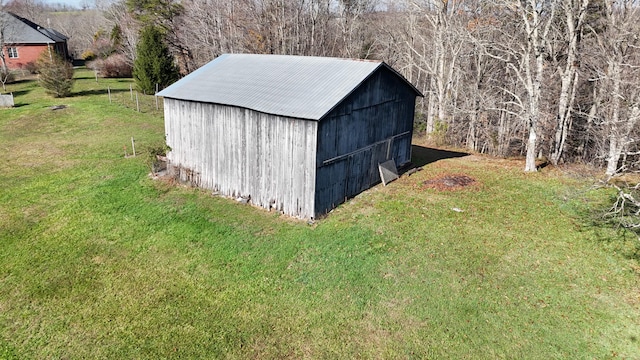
(33, 10)
(429, 48)
(81, 27)
(524, 53)
(616, 74)
(351, 16)
(482, 125)
(574, 12)
(505, 77)
(117, 13)
(5, 30)
(213, 27)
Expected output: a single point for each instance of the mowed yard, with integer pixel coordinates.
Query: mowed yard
(99, 261)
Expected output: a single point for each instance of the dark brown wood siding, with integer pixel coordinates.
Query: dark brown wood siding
(372, 125)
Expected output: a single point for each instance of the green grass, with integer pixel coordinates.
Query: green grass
(99, 261)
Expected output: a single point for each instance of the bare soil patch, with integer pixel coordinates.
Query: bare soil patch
(450, 182)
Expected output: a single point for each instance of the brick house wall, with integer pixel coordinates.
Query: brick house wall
(26, 53)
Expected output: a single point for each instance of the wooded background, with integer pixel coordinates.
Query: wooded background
(556, 79)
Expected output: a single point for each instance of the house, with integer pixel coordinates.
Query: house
(296, 134)
(24, 41)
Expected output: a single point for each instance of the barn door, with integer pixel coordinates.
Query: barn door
(359, 177)
(381, 153)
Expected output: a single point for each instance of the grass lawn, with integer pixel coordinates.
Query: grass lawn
(99, 261)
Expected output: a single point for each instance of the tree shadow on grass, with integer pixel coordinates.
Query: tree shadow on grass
(20, 92)
(97, 92)
(22, 81)
(421, 156)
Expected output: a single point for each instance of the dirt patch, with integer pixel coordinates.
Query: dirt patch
(450, 182)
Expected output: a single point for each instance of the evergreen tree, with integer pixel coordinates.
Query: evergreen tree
(153, 64)
(55, 74)
(160, 13)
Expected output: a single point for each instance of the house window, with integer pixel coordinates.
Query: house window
(13, 52)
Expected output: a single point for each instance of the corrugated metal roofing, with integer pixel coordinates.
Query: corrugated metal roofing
(294, 86)
(19, 30)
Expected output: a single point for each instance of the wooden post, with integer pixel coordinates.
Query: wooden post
(131, 91)
(95, 72)
(133, 146)
(137, 102)
(109, 91)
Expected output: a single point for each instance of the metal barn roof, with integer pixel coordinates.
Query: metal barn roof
(294, 86)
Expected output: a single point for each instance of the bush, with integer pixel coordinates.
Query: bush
(88, 55)
(96, 64)
(56, 74)
(6, 76)
(155, 153)
(115, 66)
(31, 67)
(420, 123)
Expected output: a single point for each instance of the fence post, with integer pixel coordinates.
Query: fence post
(137, 102)
(109, 91)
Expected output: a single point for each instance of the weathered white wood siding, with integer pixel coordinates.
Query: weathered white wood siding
(241, 152)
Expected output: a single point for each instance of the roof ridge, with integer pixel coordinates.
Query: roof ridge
(305, 87)
(26, 21)
(305, 56)
(23, 28)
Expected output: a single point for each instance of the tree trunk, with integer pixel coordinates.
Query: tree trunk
(569, 76)
(530, 163)
(615, 140)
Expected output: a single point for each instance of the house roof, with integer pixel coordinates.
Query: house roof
(294, 86)
(18, 30)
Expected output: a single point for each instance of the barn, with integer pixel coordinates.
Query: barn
(292, 133)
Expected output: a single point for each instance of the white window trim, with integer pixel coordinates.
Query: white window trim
(13, 52)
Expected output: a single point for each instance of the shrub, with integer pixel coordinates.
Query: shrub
(88, 55)
(154, 157)
(116, 66)
(6, 76)
(96, 64)
(420, 123)
(56, 74)
(31, 67)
